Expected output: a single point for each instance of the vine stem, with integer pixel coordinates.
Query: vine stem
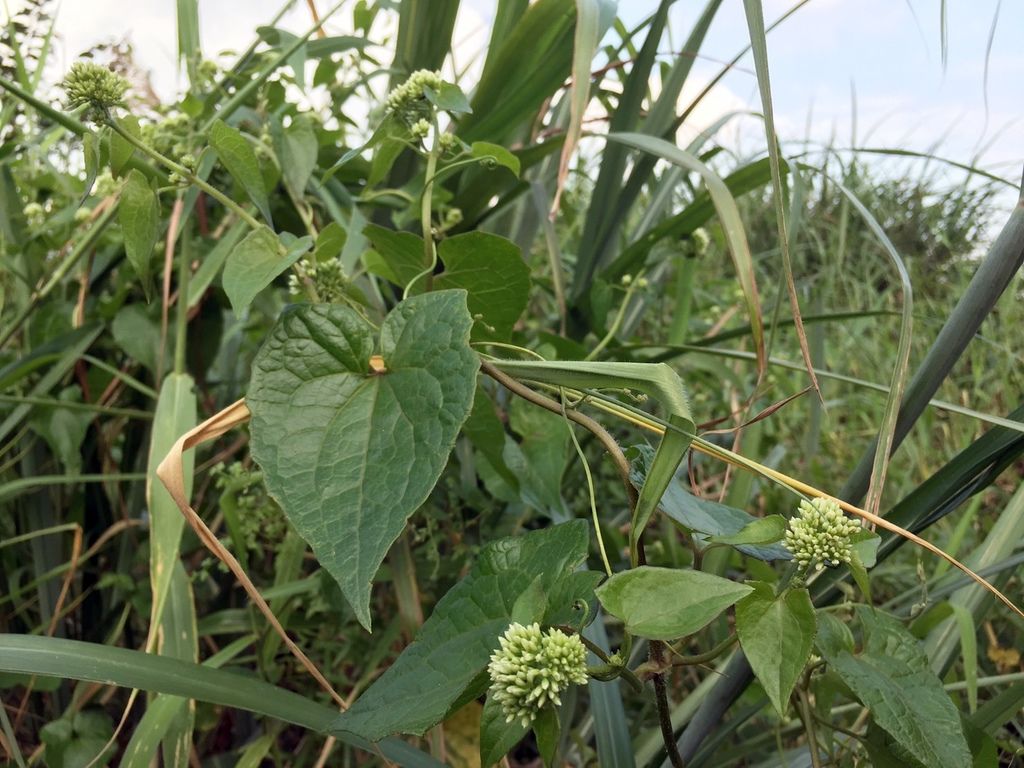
(185, 173)
(622, 465)
(617, 321)
(807, 716)
(606, 440)
(703, 658)
(426, 216)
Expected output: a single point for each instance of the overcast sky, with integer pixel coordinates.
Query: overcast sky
(873, 63)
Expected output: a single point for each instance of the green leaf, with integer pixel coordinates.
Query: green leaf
(212, 262)
(348, 452)
(665, 603)
(445, 662)
(137, 334)
(484, 150)
(139, 216)
(487, 434)
(763, 530)
(833, 635)
(330, 242)
(671, 449)
(396, 256)
(777, 634)
(121, 150)
(75, 741)
(492, 272)
(239, 158)
(449, 97)
(892, 679)
(547, 729)
(531, 63)
(497, 736)
(91, 154)
(254, 263)
(706, 518)
(189, 42)
(297, 150)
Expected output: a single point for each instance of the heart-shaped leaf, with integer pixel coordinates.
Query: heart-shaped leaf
(349, 450)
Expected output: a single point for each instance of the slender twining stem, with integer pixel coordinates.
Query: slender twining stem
(590, 491)
(703, 658)
(616, 322)
(806, 715)
(185, 173)
(623, 670)
(426, 215)
(612, 447)
(657, 659)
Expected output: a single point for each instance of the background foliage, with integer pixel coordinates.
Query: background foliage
(135, 307)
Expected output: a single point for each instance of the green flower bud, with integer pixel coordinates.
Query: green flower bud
(411, 91)
(34, 214)
(420, 129)
(448, 141)
(328, 277)
(820, 533)
(95, 86)
(532, 668)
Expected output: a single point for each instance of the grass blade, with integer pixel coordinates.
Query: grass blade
(759, 44)
(107, 665)
(1004, 258)
(729, 216)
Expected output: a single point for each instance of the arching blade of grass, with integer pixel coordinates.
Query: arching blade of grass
(993, 275)
(694, 215)
(886, 432)
(107, 665)
(759, 44)
(896, 152)
(588, 32)
(728, 214)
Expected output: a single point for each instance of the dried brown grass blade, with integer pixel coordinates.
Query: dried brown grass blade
(171, 475)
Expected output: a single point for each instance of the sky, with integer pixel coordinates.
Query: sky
(865, 72)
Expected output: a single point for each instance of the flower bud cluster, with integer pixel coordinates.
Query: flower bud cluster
(821, 533)
(328, 278)
(409, 95)
(532, 668)
(90, 84)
